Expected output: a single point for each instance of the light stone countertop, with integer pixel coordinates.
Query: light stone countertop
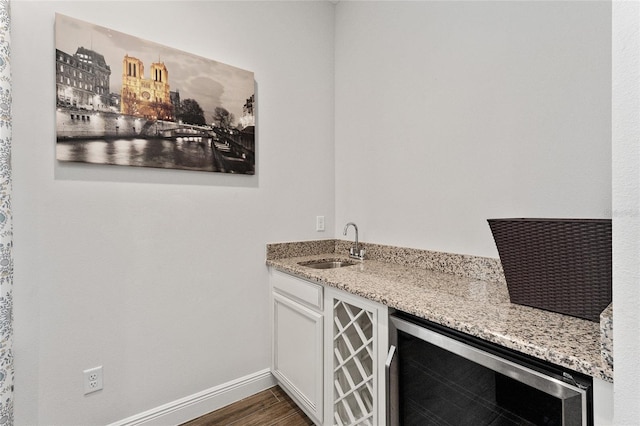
(477, 307)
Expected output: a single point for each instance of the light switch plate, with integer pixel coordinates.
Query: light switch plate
(320, 223)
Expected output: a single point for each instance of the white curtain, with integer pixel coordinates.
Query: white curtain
(6, 228)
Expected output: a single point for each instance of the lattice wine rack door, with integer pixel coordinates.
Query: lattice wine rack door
(354, 365)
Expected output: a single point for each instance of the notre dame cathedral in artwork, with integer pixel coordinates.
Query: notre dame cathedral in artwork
(142, 97)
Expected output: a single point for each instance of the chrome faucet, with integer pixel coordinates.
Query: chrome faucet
(355, 252)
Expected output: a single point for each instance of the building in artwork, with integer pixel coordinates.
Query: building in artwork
(246, 136)
(175, 102)
(149, 98)
(82, 80)
(248, 116)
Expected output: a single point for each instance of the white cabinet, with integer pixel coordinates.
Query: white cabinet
(298, 339)
(329, 349)
(356, 347)
(602, 402)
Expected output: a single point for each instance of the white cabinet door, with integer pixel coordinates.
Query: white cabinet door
(298, 353)
(356, 346)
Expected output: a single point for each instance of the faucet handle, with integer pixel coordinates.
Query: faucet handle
(356, 254)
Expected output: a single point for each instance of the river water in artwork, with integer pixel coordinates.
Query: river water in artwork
(199, 153)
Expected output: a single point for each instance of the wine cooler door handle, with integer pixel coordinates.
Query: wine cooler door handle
(391, 375)
(390, 355)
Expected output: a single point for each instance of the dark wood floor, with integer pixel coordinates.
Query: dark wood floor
(271, 407)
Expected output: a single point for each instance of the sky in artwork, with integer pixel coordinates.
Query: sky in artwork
(209, 82)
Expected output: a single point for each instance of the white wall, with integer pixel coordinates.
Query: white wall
(626, 211)
(450, 113)
(159, 275)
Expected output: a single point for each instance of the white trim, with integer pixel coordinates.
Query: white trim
(198, 404)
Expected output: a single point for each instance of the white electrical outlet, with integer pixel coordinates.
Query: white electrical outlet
(319, 223)
(92, 379)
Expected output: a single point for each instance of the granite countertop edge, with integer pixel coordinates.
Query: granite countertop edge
(476, 307)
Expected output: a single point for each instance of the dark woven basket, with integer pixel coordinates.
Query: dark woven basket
(560, 265)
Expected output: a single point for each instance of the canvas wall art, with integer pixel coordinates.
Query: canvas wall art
(126, 101)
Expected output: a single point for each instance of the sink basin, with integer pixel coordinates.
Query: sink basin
(326, 264)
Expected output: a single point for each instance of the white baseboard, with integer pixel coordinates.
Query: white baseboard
(198, 404)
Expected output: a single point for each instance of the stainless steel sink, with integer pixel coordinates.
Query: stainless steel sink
(326, 263)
